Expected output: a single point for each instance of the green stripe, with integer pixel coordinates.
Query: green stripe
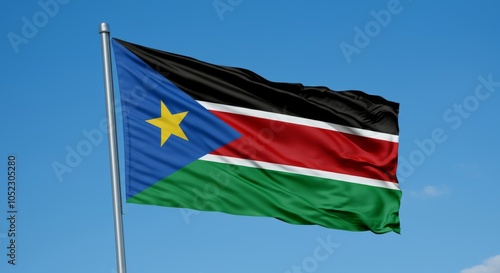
(293, 198)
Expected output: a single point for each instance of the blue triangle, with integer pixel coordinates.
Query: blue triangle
(141, 90)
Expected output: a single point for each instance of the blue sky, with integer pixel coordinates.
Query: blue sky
(438, 59)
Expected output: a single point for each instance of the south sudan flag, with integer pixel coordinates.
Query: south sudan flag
(217, 138)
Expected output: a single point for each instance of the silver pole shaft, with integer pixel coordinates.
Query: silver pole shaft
(113, 148)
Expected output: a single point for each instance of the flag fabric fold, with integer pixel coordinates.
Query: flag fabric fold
(218, 138)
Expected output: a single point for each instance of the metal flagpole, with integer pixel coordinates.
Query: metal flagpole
(113, 148)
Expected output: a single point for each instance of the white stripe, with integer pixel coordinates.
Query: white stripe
(302, 171)
(298, 120)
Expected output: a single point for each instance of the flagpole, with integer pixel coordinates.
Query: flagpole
(113, 148)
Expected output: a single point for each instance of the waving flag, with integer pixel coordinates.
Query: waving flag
(217, 138)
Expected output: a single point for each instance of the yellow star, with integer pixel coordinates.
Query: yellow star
(169, 124)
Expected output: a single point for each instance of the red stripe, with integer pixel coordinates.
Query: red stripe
(303, 146)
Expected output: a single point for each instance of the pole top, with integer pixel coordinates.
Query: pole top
(103, 27)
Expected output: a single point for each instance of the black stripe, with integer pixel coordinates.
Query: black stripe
(241, 87)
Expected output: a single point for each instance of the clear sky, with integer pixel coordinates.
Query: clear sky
(439, 59)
